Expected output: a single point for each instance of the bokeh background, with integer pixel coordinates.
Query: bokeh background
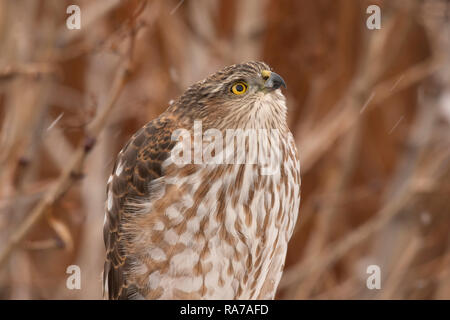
(369, 109)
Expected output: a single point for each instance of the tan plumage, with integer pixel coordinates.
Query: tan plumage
(202, 230)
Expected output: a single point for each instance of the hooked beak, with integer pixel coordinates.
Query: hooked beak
(273, 80)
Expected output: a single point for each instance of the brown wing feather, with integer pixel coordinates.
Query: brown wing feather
(141, 161)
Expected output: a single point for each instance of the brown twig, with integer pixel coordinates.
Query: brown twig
(34, 70)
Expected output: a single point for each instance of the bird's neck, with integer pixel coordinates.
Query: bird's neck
(267, 112)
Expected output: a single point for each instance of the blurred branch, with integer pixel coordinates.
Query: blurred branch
(341, 120)
(65, 238)
(92, 13)
(74, 170)
(420, 131)
(32, 70)
(438, 172)
(363, 92)
(71, 49)
(398, 273)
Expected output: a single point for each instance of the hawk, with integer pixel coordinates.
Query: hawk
(197, 229)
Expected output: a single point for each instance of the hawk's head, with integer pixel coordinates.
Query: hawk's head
(241, 93)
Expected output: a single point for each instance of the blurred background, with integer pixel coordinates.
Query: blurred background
(369, 109)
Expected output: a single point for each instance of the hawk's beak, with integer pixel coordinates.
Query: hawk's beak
(273, 80)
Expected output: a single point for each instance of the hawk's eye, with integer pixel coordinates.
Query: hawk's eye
(239, 87)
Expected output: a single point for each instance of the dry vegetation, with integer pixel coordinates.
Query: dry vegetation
(370, 111)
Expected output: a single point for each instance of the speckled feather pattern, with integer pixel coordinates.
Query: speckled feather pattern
(202, 231)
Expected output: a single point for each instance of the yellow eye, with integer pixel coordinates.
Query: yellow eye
(239, 87)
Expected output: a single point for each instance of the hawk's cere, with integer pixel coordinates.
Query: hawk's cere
(205, 230)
